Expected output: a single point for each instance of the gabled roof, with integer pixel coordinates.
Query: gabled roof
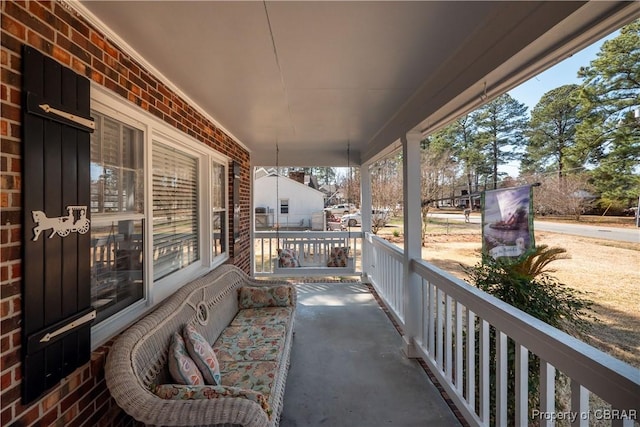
(288, 180)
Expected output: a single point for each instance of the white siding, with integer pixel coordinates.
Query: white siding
(303, 200)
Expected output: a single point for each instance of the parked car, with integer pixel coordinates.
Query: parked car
(341, 209)
(379, 216)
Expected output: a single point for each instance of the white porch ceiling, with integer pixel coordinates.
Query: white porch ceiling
(316, 76)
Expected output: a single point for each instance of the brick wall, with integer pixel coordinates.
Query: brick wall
(56, 30)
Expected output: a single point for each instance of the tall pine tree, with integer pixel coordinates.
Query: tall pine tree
(501, 123)
(609, 135)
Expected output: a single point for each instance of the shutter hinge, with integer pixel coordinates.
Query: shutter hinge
(69, 326)
(77, 119)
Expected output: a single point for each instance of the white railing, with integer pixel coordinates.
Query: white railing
(383, 264)
(313, 249)
(466, 337)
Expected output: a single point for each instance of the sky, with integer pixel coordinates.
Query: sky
(565, 72)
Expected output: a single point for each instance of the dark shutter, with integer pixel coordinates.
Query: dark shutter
(56, 303)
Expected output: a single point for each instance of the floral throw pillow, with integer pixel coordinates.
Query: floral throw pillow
(182, 368)
(287, 258)
(202, 354)
(265, 296)
(338, 257)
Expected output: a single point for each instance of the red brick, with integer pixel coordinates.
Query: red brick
(6, 416)
(78, 66)
(39, 43)
(29, 416)
(9, 396)
(49, 418)
(16, 166)
(5, 309)
(62, 55)
(50, 401)
(13, 27)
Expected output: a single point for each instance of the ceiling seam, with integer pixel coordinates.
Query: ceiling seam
(275, 54)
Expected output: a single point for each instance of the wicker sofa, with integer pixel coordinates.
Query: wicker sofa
(252, 346)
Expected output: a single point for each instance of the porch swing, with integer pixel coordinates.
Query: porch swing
(314, 254)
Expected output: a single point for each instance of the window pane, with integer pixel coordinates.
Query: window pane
(116, 266)
(117, 180)
(219, 233)
(175, 210)
(218, 187)
(218, 202)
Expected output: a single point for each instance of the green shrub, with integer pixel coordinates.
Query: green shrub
(526, 283)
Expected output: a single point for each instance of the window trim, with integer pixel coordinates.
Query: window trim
(111, 105)
(284, 203)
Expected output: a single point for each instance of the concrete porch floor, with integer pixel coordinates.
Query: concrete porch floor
(348, 368)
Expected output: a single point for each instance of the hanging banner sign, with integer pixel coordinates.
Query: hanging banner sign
(507, 222)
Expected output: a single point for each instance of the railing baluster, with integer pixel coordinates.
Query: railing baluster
(547, 392)
(579, 404)
(459, 346)
(448, 338)
(626, 418)
(501, 378)
(471, 359)
(522, 385)
(439, 328)
(432, 321)
(485, 398)
(421, 325)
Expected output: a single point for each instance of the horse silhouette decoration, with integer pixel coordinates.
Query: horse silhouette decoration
(62, 225)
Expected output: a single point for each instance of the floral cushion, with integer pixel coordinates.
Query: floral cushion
(250, 342)
(182, 368)
(287, 258)
(256, 375)
(338, 257)
(189, 392)
(264, 296)
(202, 354)
(263, 316)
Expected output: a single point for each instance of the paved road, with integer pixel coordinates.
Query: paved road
(593, 231)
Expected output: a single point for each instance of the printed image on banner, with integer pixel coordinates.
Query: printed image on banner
(507, 222)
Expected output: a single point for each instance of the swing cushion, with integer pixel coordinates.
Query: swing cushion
(338, 257)
(263, 296)
(287, 258)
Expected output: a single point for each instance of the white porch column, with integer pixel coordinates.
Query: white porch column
(365, 198)
(412, 239)
(365, 211)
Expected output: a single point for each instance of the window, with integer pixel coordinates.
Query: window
(284, 206)
(117, 208)
(159, 212)
(175, 210)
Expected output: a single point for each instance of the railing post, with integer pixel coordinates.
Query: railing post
(412, 238)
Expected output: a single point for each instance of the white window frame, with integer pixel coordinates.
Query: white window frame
(111, 105)
(284, 203)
